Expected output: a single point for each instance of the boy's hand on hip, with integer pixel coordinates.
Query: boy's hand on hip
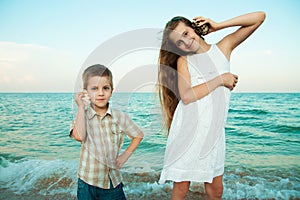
(123, 158)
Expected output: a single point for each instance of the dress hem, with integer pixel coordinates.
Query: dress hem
(193, 176)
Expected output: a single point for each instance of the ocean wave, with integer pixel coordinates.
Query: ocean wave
(50, 177)
(42, 176)
(246, 183)
(249, 111)
(287, 129)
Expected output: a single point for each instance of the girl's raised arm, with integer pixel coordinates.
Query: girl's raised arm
(248, 22)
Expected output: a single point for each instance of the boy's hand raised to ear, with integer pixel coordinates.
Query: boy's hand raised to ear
(81, 99)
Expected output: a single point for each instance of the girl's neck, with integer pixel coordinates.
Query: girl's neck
(203, 46)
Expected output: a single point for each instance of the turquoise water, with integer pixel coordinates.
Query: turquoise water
(262, 145)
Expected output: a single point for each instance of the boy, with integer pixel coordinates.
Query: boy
(101, 130)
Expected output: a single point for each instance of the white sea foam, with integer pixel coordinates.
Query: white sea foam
(44, 176)
(50, 177)
(260, 185)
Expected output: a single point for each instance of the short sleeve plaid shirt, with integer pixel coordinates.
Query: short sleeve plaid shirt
(99, 150)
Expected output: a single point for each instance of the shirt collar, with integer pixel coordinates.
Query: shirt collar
(91, 112)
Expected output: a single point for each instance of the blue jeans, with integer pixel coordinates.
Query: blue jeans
(89, 192)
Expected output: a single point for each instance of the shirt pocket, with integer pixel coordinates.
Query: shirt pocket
(116, 135)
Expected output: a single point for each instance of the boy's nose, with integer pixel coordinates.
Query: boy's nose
(100, 92)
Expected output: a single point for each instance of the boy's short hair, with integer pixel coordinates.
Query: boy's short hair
(96, 70)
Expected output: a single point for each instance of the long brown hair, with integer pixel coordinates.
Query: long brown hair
(167, 71)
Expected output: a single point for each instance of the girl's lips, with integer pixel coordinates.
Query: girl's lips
(191, 43)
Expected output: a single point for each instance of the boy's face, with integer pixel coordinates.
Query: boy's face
(99, 90)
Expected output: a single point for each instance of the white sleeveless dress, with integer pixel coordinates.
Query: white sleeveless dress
(195, 148)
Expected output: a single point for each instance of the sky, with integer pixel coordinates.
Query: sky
(45, 45)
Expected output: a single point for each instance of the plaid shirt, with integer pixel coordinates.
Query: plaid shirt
(99, 150)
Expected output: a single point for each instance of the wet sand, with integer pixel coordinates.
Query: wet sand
(6, 194)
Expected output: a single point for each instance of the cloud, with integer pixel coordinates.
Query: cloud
(37, 68)
(267, 52)
(30, 67)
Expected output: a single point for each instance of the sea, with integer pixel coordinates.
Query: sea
(38, 160)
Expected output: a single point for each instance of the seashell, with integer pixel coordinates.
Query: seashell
(200, 30)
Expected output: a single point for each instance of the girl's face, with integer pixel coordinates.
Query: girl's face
(99, 90)
(185, 38)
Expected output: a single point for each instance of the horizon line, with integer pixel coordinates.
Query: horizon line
(49, 92)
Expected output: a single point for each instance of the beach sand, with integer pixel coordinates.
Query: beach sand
(6, 194)
(132, 182)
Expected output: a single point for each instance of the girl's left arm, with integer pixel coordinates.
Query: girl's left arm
(248, 24)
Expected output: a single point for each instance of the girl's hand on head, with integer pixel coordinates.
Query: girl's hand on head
(213, 26)
(229, 80)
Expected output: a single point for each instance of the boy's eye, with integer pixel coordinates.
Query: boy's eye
(106, 88)
(94, 88)
(185, 33)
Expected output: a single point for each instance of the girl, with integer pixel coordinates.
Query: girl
(194, 87)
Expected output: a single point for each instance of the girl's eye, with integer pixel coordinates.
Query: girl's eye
(185, 33)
